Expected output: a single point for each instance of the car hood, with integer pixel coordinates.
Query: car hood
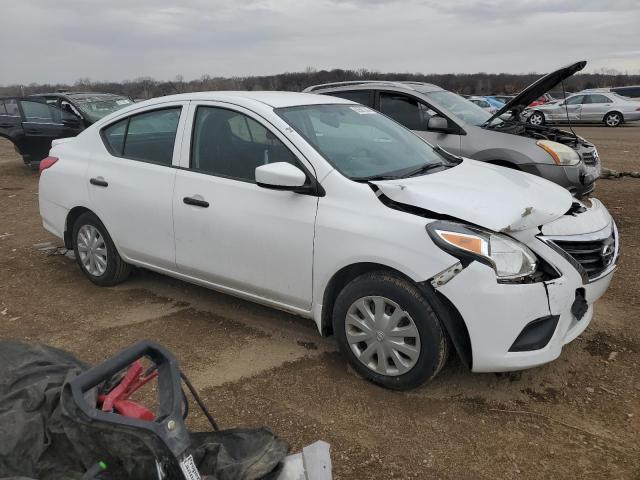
(538, 88)
(494, 197)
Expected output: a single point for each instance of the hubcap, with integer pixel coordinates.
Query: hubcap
(613, 120)
(382, 335)
(92, 250)
(536, 119)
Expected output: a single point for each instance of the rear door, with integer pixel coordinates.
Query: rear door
(414, 114)
(43, 123)
(10, 121)
(131, 181)
(594, 107)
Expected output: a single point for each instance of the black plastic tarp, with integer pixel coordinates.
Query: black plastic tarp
(43, 436)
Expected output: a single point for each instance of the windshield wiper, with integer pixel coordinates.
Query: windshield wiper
(424, 169)
(374, 178)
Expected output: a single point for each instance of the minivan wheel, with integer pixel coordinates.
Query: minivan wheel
(537, 118)
(95, 252)
(388, 331)
(612, 119)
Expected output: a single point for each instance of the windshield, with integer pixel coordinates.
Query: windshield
(460, 107)
(98, 106)
(360, 142)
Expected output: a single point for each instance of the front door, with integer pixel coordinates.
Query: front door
(570, 109)
(228, 230)
(414, 114)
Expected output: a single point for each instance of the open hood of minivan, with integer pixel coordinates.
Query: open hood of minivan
(490, 196)
(538, 88)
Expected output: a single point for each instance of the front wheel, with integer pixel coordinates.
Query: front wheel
(612, 119)
(537, 118)
(96, 253)
(389, 332)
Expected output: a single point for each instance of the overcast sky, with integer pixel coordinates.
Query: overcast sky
(64, 40)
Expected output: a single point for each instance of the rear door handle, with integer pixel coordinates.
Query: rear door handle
(196, 202)
(99, 182)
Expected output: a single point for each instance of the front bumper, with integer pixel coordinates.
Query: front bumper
(497, 313)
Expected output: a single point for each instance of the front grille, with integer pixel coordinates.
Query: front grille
(590, 157)
(593, 256)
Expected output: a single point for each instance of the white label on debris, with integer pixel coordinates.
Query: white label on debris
(189, 469)
(122, 102)
(362, 110)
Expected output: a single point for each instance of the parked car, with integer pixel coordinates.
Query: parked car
(484, 104)
(32, 122)
(606, 107)
(494, 102)
(541, 100)
(88, 106)
(328, 209)
(31, 125)
(503, 98)
(461, 127)
(632, 91)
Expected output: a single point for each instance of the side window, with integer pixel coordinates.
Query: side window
(113, 136)
(11, 107)
(575, 100)
(597, 99)
(151, 135)
(230, 144)
(402, 109)
(40, 112)
(148, 137)
(359, 96)
(3, 110)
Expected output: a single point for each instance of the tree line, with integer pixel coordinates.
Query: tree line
(463, 83)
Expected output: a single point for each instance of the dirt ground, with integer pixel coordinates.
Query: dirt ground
(578, 417)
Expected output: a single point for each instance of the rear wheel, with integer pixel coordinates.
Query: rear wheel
(95, 252)
(537, 118)
(388, 331)
(613, 119)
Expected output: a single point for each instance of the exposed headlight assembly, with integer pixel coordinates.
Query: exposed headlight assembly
(511, 260)
(561, 154)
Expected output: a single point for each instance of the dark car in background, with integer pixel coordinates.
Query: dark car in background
(632, 91)
(32, 123)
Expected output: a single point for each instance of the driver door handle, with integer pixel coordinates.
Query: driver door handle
(196, 202)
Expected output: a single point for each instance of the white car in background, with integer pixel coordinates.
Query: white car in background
(330, 210)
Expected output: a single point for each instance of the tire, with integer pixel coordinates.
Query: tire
(613, 119)
(420, 355)
(537, 118)
(106, 268)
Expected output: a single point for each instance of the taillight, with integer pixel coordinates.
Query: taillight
(47, 163)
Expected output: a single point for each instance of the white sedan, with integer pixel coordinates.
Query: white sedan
(330, 210)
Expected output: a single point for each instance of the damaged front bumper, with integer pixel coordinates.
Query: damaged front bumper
(518, 326)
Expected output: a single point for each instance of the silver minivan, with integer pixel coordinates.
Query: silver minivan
(459, 126)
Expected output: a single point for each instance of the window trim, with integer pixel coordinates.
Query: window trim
(126, 133)
(311, 186)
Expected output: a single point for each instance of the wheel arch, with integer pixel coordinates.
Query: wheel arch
(447, 313)
(72, 216)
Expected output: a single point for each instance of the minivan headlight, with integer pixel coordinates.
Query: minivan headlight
(511, 260)
(561, 154)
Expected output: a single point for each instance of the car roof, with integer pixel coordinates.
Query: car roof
(275, 99)
(421, 87)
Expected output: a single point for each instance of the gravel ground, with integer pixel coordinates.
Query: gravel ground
(575, 418)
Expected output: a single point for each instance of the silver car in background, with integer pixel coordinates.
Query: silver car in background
(586, 107)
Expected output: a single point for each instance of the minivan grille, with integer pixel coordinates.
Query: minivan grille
(593, 256)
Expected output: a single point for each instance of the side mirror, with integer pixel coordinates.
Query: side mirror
(438, 124)
(280, 176)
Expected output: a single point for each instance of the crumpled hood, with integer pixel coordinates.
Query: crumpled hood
(538, 88)
(490, 196)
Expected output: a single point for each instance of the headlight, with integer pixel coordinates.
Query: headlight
(560, 153)
(510, 259)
